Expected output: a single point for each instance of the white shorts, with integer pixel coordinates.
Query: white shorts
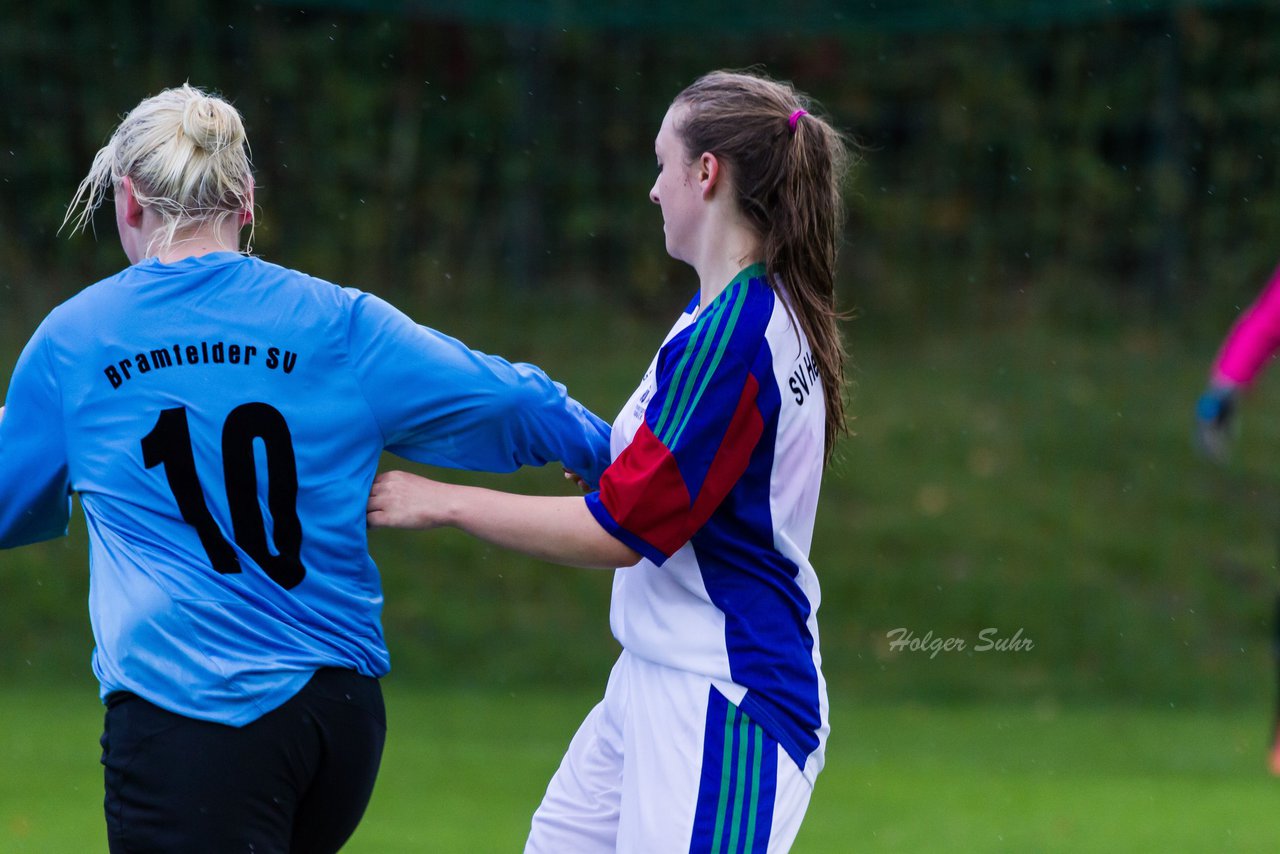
(664, 763)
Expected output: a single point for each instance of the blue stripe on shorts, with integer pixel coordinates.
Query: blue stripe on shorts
(738, 785)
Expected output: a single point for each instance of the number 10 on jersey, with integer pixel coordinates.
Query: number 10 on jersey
(169, 445)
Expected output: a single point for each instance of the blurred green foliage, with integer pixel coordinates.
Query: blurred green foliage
(1053, 221)
(1088, 162)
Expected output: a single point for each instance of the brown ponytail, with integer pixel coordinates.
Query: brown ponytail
(786, 166)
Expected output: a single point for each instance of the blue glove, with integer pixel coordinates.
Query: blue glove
(1215, 417)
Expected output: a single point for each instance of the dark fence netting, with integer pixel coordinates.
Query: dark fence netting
(1087, 161)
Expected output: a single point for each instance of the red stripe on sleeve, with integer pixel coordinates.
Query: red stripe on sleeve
(646, 494)
(733, 456)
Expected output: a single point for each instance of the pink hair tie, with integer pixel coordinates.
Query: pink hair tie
(795, 117)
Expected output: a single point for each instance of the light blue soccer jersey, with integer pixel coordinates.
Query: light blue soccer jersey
(221, 419)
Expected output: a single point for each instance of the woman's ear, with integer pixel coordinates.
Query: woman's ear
(708, 174)
(132, 207)
(246, 216)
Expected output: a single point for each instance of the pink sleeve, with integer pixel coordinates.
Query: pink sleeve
(1253, 339)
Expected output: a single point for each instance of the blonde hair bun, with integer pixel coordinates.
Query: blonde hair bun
(211, 123)
(187, 155)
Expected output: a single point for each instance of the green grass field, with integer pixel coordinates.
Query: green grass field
(463, 771)
(1017, 478)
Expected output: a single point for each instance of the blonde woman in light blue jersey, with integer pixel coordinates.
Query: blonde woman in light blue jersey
(221, 419)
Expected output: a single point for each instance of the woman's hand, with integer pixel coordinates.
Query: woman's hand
(402, 500)
(571, 476)
(1215, 426)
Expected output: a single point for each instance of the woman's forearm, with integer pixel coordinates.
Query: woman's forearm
(557, 529)
(551, 528)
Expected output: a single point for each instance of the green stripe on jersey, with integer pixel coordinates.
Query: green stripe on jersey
(678, 377)
(708, 339)
(701, 329)
(738, 302)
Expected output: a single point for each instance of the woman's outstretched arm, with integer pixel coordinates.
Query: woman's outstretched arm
(551, 528)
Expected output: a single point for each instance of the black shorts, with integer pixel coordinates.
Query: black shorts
(296, 780)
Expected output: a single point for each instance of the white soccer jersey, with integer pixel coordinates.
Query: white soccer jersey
(718, 459)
